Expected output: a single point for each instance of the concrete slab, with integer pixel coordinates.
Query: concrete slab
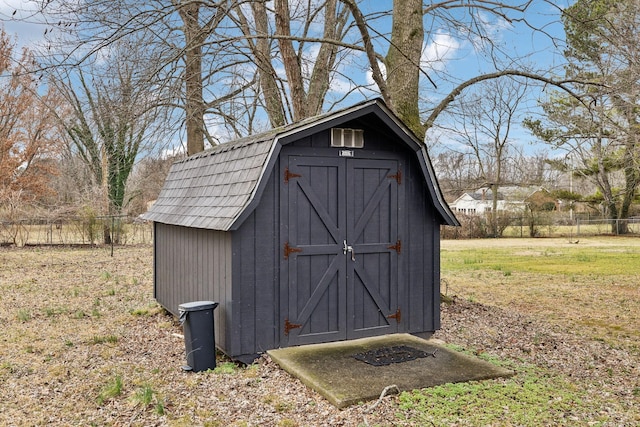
(332, 371)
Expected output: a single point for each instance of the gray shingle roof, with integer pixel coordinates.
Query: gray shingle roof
(211, 189)
(214, 188)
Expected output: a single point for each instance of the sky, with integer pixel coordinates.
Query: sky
(447, 58)
(13, 14)
(535, 49)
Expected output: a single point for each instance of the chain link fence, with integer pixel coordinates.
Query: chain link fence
(541, 225)
(125, 230)
(76, 231)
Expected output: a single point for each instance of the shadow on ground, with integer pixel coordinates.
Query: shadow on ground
(337, 370)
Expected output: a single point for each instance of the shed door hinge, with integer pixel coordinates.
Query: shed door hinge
(288, 326)
(288, 175)
(397, 247)
(288, 250)
(397, 176)
(397, 315)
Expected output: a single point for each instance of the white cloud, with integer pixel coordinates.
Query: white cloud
(439, 139)
(437, 53)
(492, 29)
(369, 74)
(340, 86)
(173, 151)
(217, 131)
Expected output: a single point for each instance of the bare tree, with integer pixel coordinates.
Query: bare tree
(113, 118)
(482, 125)
(232, 60)
(182, 52)
(29, 133)
(309, 58)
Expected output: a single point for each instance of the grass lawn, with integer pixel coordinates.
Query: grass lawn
(592, 286)
(84, 343)
(579, 363)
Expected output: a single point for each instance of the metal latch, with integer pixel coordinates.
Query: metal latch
(346, 248)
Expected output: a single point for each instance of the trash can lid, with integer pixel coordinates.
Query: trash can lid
(197, 305)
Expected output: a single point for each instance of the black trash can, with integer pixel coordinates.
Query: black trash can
(199, 336)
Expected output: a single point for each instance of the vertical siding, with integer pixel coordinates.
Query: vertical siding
(194, 265)
(423, 281)
(256, 290)
(435, 294)
(241, 269)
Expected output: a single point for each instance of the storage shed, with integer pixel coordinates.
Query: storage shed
(323, 230)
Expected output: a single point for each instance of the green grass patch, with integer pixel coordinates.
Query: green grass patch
(529, 398)
(24, 315)
(51, 312)
(150, 310)
(110, 390)
(107, 339)
(571, 261)
(140, 312)
(146, 397)
(225, 368)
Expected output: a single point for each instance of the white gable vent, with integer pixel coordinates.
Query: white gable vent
(348, 138)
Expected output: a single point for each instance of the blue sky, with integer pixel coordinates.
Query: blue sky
(448, 58)
(24, 33)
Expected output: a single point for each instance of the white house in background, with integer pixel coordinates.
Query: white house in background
(480, 201)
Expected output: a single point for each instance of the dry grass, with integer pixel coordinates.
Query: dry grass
(68, 330)
(84, 343)
(591, 286)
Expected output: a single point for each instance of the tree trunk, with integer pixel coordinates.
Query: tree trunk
(290, 60)
(403, 62)
(494, 207)
(194, 103)
(319, 82)
(632, 178)
(262, 52)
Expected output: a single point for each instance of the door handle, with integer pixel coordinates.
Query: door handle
(346, 248)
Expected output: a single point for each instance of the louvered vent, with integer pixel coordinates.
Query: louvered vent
(347, 138)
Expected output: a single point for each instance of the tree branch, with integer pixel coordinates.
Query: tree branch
(561, 84)
(369, 49)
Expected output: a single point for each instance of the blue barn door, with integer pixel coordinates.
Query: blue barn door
(341, 248)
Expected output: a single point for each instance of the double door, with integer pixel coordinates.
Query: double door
(340, 235)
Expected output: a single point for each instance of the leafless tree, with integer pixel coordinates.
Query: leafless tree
(183, 53)
(288, 38)
(113, 120)
(231, 62)
(482, 125)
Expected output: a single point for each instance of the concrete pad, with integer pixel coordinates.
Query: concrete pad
(332, 371)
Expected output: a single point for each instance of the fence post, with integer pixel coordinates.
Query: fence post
(521, 225)
(112, 235)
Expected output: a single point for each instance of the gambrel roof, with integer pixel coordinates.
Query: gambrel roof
(218, 188)
(210, 189)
